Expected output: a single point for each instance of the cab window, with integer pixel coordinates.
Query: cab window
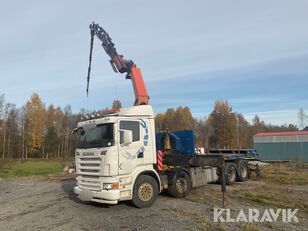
(133, 126)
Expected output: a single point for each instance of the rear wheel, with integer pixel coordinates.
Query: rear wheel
(145, 191)
(243, 171)
(230, 173)
(180, 185)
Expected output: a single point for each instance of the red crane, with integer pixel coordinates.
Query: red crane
(119, 64)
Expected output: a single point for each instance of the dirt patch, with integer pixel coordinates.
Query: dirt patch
(48, 203)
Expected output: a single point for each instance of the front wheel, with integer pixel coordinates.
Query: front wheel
(145, 191)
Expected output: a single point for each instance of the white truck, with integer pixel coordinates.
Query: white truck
(121, 157)
(116, 161)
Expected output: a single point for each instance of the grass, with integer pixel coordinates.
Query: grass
(270, 196)
(249, 227)
(31, 167)
(286, 173)
(281, 187)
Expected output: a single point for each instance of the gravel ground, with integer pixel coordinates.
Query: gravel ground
(36, 204)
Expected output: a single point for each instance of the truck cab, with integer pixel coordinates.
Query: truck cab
(116, 156)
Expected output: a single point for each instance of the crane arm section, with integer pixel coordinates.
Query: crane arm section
(119, 64)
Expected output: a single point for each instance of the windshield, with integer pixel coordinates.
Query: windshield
(96, 136)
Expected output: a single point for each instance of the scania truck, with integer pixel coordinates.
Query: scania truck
(121, 157)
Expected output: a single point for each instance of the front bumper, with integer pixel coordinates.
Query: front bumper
(104, 196)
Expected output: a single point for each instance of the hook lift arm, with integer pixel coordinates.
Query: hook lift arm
(119, 64)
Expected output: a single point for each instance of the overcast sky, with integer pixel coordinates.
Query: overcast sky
(252, 53)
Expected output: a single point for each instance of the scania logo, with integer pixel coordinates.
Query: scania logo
(88, 154)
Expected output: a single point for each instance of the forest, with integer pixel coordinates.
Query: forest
(39, 131)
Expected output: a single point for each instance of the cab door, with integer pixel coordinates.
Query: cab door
(130, 155)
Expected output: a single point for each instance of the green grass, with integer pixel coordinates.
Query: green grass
(31, 167)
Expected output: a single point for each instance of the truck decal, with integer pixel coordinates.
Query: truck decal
(146, 135)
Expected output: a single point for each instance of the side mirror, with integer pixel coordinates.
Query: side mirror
(75, 130)
(127, 136)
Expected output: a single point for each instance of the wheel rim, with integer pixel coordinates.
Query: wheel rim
(243, 171)
(145, 191)
(181, 185)
(231, 175)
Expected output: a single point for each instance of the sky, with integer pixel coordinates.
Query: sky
(252, 53)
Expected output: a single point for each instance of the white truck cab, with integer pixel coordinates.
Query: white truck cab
(116, 157)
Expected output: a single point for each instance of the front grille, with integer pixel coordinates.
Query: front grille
(90, 182)
(89, 165)
(90, 159)
(90, 168)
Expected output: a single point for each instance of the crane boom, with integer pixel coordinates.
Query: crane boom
(119, 64)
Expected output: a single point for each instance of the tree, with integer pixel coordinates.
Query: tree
(116, 104)
(24, 129)
(302, 118)
(179, 119)
(35, 112)
(47, 134)
(169, 119)
(223, 124)
(159, 121)
(244, 136)
(292, 127)
(201, 132)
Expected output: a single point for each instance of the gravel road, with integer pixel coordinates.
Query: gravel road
(28, 204)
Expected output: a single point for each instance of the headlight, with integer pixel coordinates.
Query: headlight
(77, 153)
(110, 186)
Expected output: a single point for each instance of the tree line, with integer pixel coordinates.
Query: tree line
(223, 128)
(39, 131)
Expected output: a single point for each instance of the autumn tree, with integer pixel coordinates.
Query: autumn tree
(47, 133)
(183, 119)
(159, 121)
(169, 119)
(172, 119)
(222, 121)
(35, 111)
(243, 134)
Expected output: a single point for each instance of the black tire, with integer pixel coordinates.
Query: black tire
(242, 171)
(145, 191)
(230, 173)
(180, 185)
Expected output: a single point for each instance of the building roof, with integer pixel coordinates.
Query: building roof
(282, 133)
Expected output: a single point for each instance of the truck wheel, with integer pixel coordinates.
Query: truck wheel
(180, 185)
(145, 191)
(230, 173)
(243, 171)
